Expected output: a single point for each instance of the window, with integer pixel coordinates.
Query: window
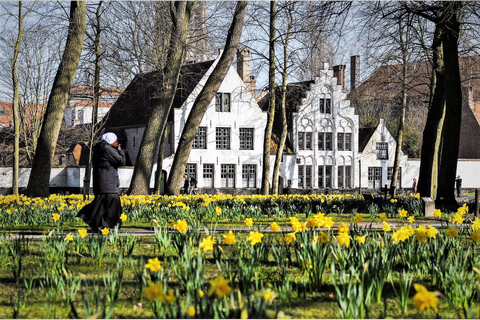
(227, 175)
(399, 177)
(344, 141)
(304, 141)
(249, 175)
(80, 116)
(246, 138)
(324, 176)
(208, 175)
(222, 138)
(191, 169)
(325, 141)
(2, 112)
(222, 102)
(382, 150)
(325, 105)
(200, 140)
(344, 176)
(374, 177)
(304, 176)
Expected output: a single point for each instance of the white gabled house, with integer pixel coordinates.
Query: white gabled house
(325, 148)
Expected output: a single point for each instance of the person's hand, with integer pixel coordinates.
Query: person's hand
(119, 146)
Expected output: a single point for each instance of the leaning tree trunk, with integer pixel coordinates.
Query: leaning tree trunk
(271, 108)
(453, 111)
(428, 176)
(16, 104)
(180, 12)
(96, 94)
(159, 172)
(38, 183)
(203, 100)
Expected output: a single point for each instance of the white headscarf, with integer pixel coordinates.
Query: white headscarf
(109, 137)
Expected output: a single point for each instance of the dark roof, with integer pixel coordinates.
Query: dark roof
(133, 106)
(293, 99)
(364, 135)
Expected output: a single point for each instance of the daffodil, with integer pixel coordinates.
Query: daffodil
(360, 239)
(56, 217)
(255, 237)
(451, 232)
(343, 227)
(383, 216)
(105, 231)
(229, 238)
(424, 299)
(475, 236)
(82, 232)
(289, 238)
(275, 227)
(386, 226)
(358, 218)
(123, 217)
(437, 213)
(220, 287)
(218, 211)
(403, 213)
(323, 237)
(432, 232)
(476, 224)
(181, 226)
(154, 265)
(154, 291)
(343, 239)
(249, 222)
(411, 219)
(421, 236)
(191, 311)
(207, 244)
(69, 237)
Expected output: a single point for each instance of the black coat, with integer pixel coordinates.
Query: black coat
(106, 160)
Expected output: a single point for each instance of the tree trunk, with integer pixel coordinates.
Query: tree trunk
(161, 152)
(428, 176)
(96, 94)
(38, 183)
(401, 120)
(453, 107)
(180, 12)
(203, 100)
(271, 109)
(16, 104)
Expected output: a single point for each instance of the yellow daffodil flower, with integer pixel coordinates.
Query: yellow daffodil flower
(424, 299)
(154, 265)
(220, 287)
(229, 238)
(207, 244)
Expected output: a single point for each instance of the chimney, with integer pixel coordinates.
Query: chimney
(354, 72)
(243, 68)
(339, 73)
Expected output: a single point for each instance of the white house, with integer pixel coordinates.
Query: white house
(325, 148)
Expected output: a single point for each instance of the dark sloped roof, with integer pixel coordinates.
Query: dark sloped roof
(364, 135)
(133, 107)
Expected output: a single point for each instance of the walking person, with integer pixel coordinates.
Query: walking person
(414, 186)
(193, 185)
(185, 184)
(106, 208)
(458, 185)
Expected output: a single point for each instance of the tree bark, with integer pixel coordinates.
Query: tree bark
(428, 176)
(453, 107)
(158, 174)
(38, 183)
(180, 13)
(203, 100)
(16, 104)
(271, 109)
(96, 94)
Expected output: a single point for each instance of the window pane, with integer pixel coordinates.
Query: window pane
(321, 176)
(382, 150)
(300, 176)
(226, 102)
(348, 176)
(222, 138)
(328, 176)
(227, 175)
(218, 102)
(200, 140)
(328, 106)
(328, 141)
(246, 138)
(308, 141)
(308, 176)
(249, 175)
(208, 175)
(340, 176)
(322, 105)
(301, 141)
(348, 141)
(340, 141)
(321, 141)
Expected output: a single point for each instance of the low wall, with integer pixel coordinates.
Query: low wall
(70, 179)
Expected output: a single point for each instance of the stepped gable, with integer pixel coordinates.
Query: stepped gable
(133, 107)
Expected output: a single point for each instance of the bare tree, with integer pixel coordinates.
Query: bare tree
(180, 14)
(38, 184)
(203, 100)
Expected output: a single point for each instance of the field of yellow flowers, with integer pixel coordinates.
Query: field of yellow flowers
(317, 256)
